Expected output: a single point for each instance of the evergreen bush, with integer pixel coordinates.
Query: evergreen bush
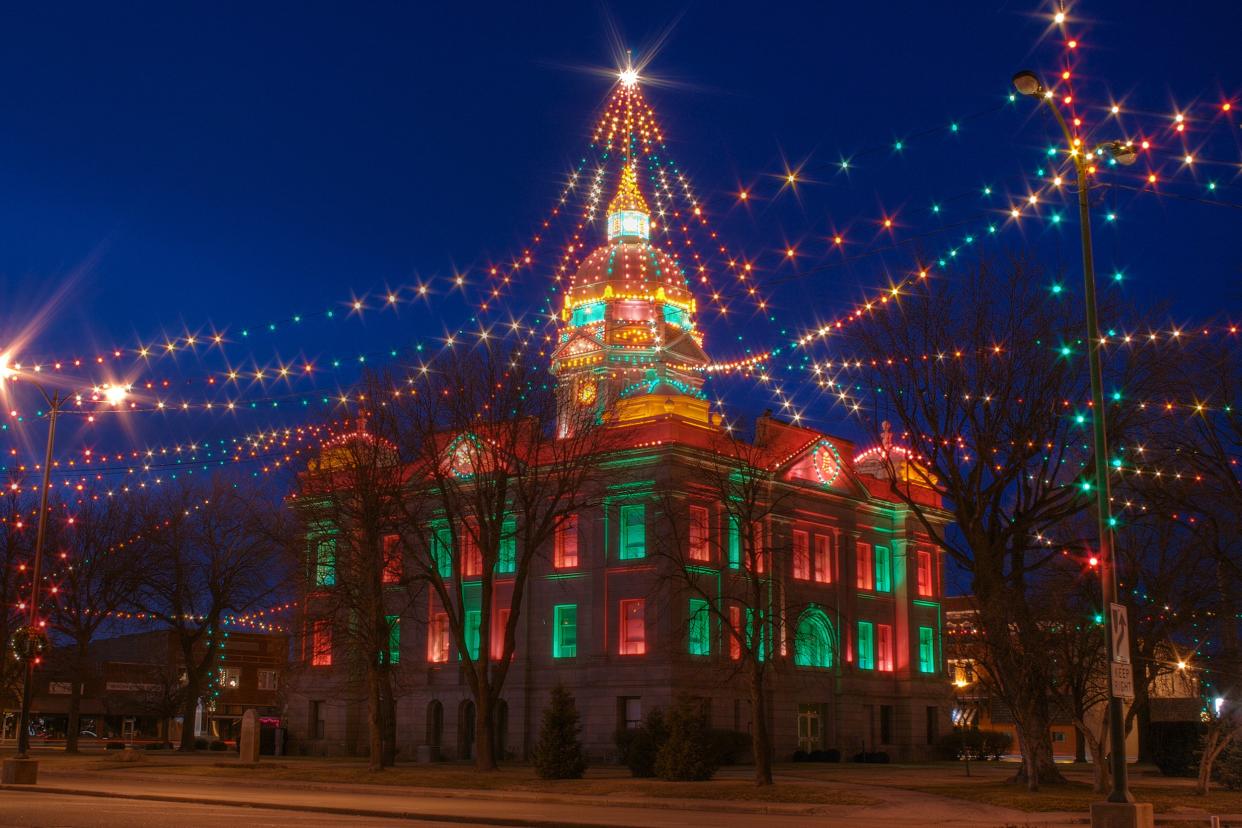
(558, 754)
(637, 747)
(688, 755)
(1175, 746)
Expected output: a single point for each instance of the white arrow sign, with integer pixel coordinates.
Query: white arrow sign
(1119, 621)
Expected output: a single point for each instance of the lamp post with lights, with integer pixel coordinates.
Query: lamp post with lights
(1028, 84)
(21, 769)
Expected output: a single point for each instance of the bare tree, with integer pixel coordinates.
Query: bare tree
(95, 575)
(16, 545)
(730, 575)
(208, 552)
(492, 480)
(978, 374)
(350, 498)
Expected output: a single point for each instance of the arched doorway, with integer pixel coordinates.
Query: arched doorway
(435, 724)
(500, 740)
(465, 729)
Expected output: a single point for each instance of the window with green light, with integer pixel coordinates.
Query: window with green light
(474, 620)
(813, 645)
(324, 551)
(441, 546)
(394, 638)
(927, 650)
(883, 569)
(633, 531)
(565, 631)
(506, 561)
(866, 646)
(735, 543)
(700, 628)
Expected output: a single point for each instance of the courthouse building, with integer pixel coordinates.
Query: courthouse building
(856, 656)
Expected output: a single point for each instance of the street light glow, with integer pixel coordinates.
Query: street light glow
(115, 394)
(5, 370)
(628, 76)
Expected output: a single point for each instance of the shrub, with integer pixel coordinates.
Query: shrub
(114, 746)
(994, 744)
(1228, 768)
(801, 756)
(154, 746)
(1175, 747)
(872, 757)
(200, 744)
(218, 745)
(558, 754)
(974, 744)
(687, 755)
(637, 747)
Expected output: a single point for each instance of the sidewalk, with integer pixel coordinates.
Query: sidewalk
(517, 808)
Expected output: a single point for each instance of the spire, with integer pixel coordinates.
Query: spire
(628, 215)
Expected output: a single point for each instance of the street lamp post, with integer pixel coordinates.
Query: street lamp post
(1028, 83)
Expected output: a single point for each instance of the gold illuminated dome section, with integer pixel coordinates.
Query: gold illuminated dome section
(628, 346)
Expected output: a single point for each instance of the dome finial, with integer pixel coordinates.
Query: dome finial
(627, 212)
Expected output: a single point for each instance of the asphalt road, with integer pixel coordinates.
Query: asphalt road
(36, 810)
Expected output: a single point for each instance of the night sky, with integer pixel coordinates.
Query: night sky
(195, 168)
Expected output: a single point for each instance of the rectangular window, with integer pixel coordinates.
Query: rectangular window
(633, 627)
(700, 550)
(884, 648)
(883, 570)
(866, 646)
(633, 531)
(821, 561)
(267, 679)
(471, 554)
(632, 711)
(927, 650)
(392, 559)
(735, 640)
(801, 556)
(230, 677)
(758, 642)
(735, 543)
(441, 547)
(474, 621)
(394, 638)
(438, 638)
(925, 579)
(864, 567)
(758, 554)
(506, 561)
(565, 631)
(498, 634)
(566, 552)
(321, 644)
(325, 561)
(700, 628)
(317, 724)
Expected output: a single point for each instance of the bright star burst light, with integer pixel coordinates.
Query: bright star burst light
(628, 76)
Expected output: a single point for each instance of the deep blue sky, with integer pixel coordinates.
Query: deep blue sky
(190, 165)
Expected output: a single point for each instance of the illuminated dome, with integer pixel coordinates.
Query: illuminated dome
(628, 345)
(354, 449)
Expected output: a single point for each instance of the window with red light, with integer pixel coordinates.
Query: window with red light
(438, 638)
(884, 648)
(735, 640)
(565, 555)
(321, 644)
(471, 555)
(925, 574)
(700, 539)
(392, 559)
(498, 634)
(801, 555)
(633, 627)
(821, 560)
(864, 569)
(756, 557)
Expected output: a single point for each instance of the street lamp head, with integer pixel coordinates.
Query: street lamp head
(1123, 153)
(115, 394)
(1027, 83)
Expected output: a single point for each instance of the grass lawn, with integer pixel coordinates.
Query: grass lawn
(1078, 796)
(607, 781)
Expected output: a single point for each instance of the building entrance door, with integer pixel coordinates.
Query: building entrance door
(810, 727)
(127, 729)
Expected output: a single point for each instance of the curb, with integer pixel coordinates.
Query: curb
(517, 822)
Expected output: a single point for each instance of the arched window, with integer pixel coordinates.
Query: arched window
(815, 644)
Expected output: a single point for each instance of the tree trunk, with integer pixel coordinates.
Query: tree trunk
(75, 717)
(760, 740)
(375, 729)
(1080, 739)
(389, 717)
(1038, 767)
(1214, 745)
(188, 706)
(484, 732)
